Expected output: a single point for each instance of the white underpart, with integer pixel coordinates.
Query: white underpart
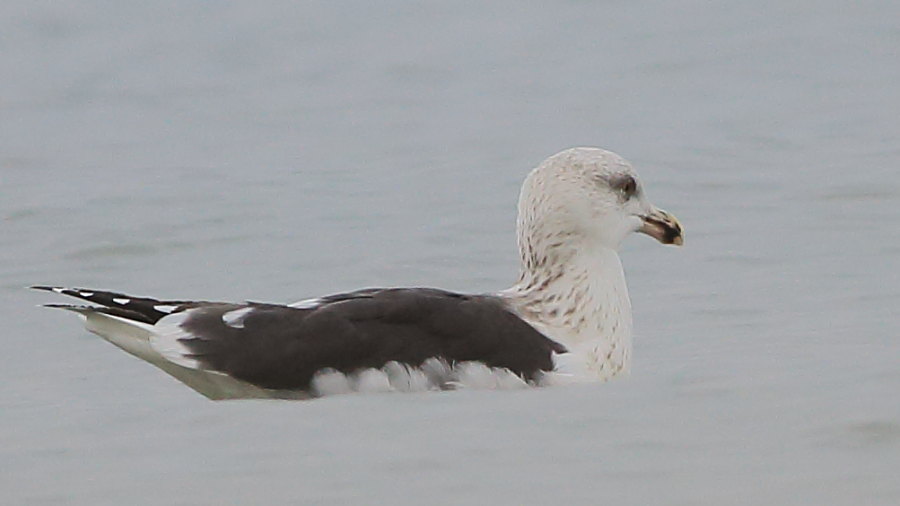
(235, 318)
(432, 375)
(595, 325)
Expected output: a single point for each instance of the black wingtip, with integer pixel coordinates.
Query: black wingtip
(41, 287)
(69, 307)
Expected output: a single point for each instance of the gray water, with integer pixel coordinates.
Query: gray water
(224, 150)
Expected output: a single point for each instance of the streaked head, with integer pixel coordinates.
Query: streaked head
(591, 193)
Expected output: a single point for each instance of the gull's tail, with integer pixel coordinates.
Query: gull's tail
(129, 323)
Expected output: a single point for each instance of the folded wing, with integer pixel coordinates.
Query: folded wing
(282, 347)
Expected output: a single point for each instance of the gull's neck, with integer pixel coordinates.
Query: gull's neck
(575, 294)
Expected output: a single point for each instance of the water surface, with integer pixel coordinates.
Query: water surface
(231, 151)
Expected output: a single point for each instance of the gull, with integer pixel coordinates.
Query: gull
(567, 319)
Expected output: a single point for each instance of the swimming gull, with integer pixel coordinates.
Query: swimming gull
(566, 319)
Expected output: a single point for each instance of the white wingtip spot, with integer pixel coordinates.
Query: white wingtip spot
(121, 301)
(165, 308)
(86, 294)
(235, 319)
(58, 289)
(307, 304)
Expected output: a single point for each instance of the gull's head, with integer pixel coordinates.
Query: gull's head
(590, 194)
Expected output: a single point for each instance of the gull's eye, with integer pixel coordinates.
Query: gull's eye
(625, 184)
